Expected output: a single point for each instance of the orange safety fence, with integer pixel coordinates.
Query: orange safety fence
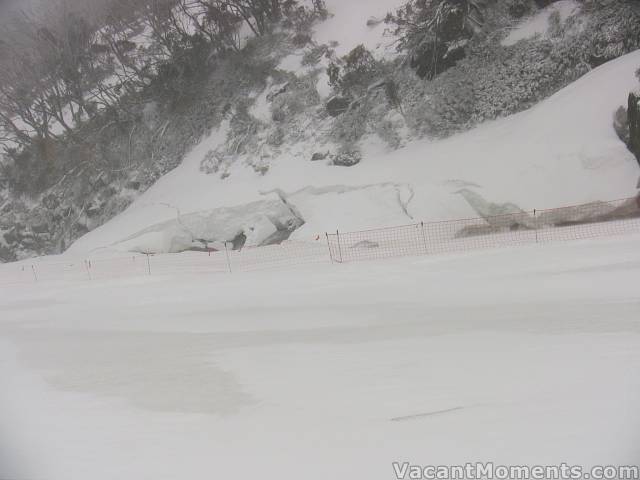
(590, 220)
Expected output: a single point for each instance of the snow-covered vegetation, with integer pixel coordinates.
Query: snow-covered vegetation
(286, 99)
(562, 152)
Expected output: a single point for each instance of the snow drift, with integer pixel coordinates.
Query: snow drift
(255, 224)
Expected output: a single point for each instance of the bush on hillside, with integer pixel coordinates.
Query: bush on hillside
(352, 74)
(495, 81)
(433, 34)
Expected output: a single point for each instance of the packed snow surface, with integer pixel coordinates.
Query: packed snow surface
(563, 151)
(518, 356)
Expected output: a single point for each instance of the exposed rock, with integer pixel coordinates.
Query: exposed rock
(94, 210)
(319, 156)
(336, 106)
(593, 212)
(498, 215)
(277, 91)
(133, 185)
(347, 159)
(366, 244)
(261, 168)
(40, 228)
(476, 230)
(239, 241)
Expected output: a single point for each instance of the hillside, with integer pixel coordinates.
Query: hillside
(563, 151)
(334, 121)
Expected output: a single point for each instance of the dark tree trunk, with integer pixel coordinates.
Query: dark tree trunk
(633, 114)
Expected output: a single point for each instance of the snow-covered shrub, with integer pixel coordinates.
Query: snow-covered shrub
(367, 115)
(352, 74)
(518, 8)
(495, 80)
(276, 136)
(555, 29)
(313, 55)
(300, 18)
(433, 34)
(212, 162)
(350, 127)
(301, 94)
(241, 137)
(610, 29)
(387, 130)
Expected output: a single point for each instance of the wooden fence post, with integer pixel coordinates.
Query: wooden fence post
(226, 251)
(424, 238)
(329, 247)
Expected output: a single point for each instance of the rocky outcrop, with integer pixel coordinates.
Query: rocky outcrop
(319, 156)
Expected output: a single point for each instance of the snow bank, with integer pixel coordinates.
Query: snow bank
(258, 222)
(563, 151)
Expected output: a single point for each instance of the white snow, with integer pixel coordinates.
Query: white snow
(348, 26)
(538, 24)
(257, 221)
(261, 108)
(291, 63)
(521, 356)
(563, 151)
(323, 87)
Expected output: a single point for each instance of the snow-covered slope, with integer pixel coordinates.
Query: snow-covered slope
(563, 151)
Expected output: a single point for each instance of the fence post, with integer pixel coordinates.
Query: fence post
(329, 247)
(424, 239)
(87, 266)
(148, 265)
(339, 246)
(35, 275)
(226, 251)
